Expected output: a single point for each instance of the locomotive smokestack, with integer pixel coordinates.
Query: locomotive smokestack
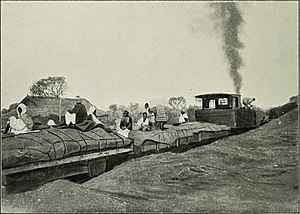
(229, 20)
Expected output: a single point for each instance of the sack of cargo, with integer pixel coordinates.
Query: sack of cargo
(161, 115)
(54, 144)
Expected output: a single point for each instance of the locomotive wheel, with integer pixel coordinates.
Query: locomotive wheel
(96, 167)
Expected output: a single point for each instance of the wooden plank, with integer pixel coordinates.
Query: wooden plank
(66, 160)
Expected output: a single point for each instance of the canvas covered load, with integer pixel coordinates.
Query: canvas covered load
(54, 144)
(169, 136)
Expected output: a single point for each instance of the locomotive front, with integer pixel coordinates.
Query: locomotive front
(224, 109)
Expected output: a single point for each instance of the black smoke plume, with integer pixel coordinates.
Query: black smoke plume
(229, 20)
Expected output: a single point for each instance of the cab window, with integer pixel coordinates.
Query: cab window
(212, 104)
(199, 103)
(223, 101)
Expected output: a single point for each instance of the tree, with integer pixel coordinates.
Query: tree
(177, 102)
(49, 87)
(113, 108)
(134, 111)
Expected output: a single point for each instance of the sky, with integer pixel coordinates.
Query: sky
(122, 52)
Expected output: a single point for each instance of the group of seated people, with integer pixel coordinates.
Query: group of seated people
(150, 119)
(78, 118)
(85, 120)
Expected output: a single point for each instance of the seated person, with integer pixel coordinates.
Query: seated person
(143, 123)
(183, 117)
(92, 115)
(82, 120)
(23, 124)
(125, 124)
(78, 114)
(91, 122)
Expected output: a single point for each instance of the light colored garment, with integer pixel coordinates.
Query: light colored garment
(91, 112)
(147, 110)
(247, 101)
(70, 118)
(124, 132)
(51, 123)
(25, 117)
(17, 126)
(152, 117)
(182, 118)
(141, 122)
(23, 124)
(117, 124)
(143, 125)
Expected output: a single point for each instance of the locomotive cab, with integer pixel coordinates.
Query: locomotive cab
(224, 109)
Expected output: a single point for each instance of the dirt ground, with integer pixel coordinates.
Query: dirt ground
(252, 172)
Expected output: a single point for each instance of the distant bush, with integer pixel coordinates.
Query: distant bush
(191, 113)
(276, 112)
(295, 99)
(12, 107)
(173, 116)
(4, 111)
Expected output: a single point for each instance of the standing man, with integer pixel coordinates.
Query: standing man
(147, 109)
(150, 115)
(247, 101)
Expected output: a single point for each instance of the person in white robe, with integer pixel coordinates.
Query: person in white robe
(22, 124)
(183, 118)
(143, 123)
(92, 113)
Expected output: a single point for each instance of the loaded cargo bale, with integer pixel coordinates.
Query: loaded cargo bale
(276, 112)
(175, 136)
(55, 144)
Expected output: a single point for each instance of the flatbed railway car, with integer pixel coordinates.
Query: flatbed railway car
(50, 154)
(224, 109)
(56, 153)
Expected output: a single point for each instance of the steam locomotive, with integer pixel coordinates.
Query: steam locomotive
(224, 109)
